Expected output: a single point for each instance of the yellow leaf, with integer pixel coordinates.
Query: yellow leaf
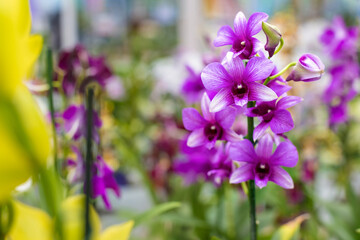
(73, 219)
(288, 230)
(30, 223)
(118, 232)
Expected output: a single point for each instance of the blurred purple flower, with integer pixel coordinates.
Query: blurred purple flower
(193, 87)
(103, 179)
(308, 68)
(340, 41)
(221, 165)
(338, 114)
(261, 164)
(238, 85)
(114, 88)
(242, 39)
(78, 69)
(75, 122)
(273, 114)
(78, 165)
(210, 127)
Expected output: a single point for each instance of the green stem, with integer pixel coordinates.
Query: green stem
(279, 73)
(6, 219)
(280, 46)
(49, 76)
(252, 197)
(88, 164)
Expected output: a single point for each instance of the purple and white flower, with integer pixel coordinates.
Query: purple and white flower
(309, 68)
(238, 84)
(210, 127)
(242, 39)
(261, 164)
(273, 114)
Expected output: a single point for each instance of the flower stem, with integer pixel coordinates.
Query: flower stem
(279, 73)
(252, 197)
(88, 164)
(49, 77)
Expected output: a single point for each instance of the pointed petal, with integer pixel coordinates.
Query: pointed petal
(192, 119)
(265, 147)
(221, 100)
(281, 121)
(260, 129)
(254, 23)
(243, 151)
(258, 69)
(259, 92)
(242, 174)
(214, 77)
(197, 138)
(205, 105)
(231, 136)
(288, 101)
(235, 66)
(240, 24)
(226, 117)
(225, 36)
(285, 155)
(281, 178)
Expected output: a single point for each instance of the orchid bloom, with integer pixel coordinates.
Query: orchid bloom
(273, 114)
(242, 39)
(210, 127)
(261, 164)
(238, 84)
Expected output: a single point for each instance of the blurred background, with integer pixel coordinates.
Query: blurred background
(149, 44)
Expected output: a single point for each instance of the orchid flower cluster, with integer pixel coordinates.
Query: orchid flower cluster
(76, 69)
(245, 83)
(341, 42)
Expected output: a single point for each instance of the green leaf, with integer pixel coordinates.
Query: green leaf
(215, 238)
(156, 211)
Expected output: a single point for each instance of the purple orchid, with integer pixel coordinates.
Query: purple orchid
(340, 40)
(103, 179)
(75, 122)
(221, 165)
(238, 84)
(338, 114)
(242, 39)
(278, 85)
(210, 127)
(77, 165)
(78, 69)
(273, 114)
(309, 68)
(261, 164)
(196, 163)
(193, 87)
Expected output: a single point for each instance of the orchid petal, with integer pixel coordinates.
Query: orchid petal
(260, 129)
(261, 182)
(259, 92)
(197, 138)
(231, 136)
(288, 101)
(281, 121)
(285, 155)
(281, 178)
(258, 69)
(225, 36)
(243, 151)
(192, 119)
(205, 105)
(240, 24)
(254, 23)
(242, 174)
(214, 77)
(221, 100)
(226, 117)
(265, 147)
(236, 67)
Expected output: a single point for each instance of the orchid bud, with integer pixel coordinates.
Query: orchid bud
(308, 68)
(273, 37)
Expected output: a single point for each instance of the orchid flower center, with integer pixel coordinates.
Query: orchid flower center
(239, 90)
(262, 170)
(212, 131)
(239, 45)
